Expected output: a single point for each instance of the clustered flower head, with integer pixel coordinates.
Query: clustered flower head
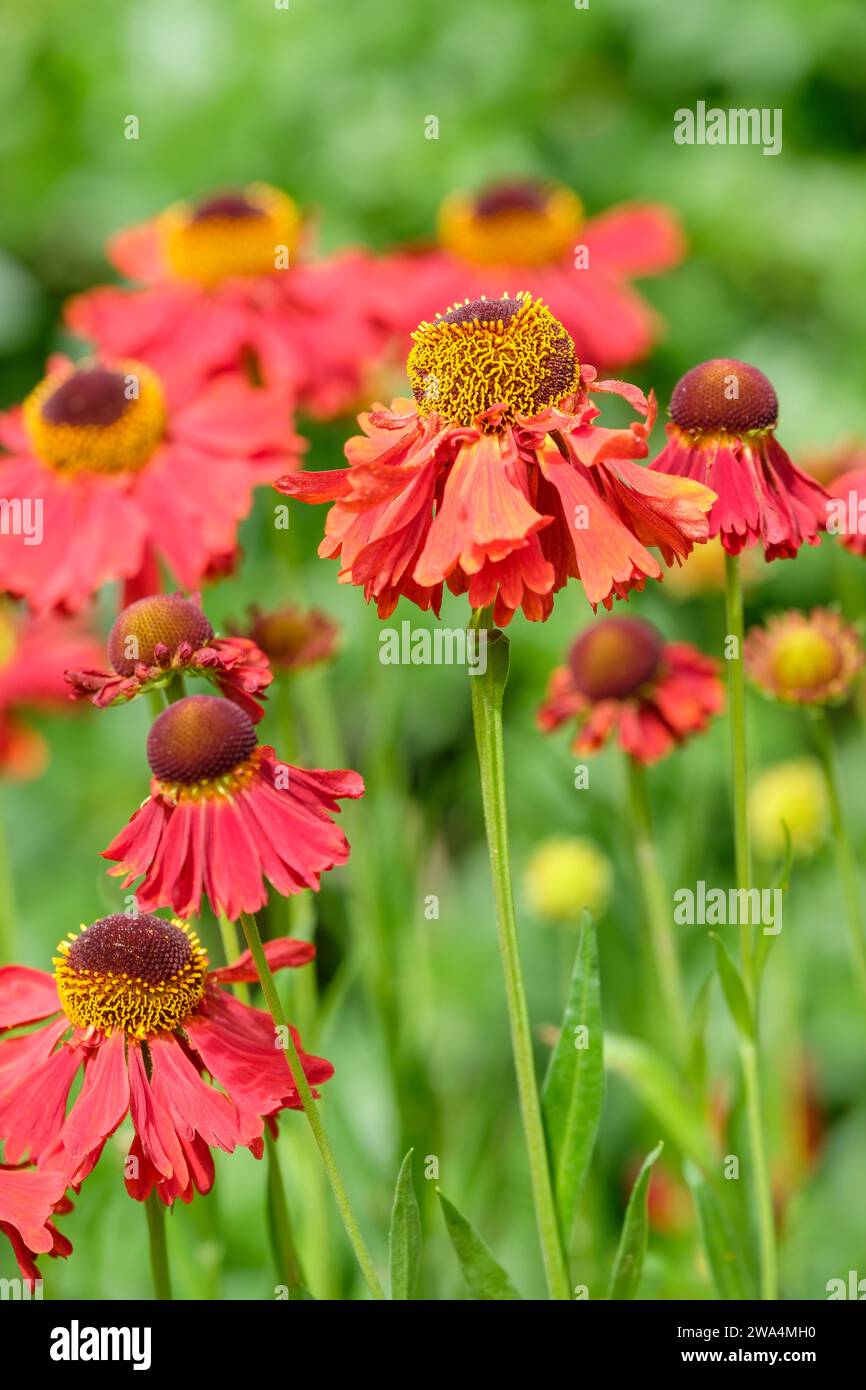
(565, 875)
(224, 816)
(34, 653)
(227, 283)
(804, 658)
(157, 638)
(134, 1010)
(125, 467)
(496, 480)
(293, 638)
(623, 679)
(530, 231)
(792, 797)
(722, 433)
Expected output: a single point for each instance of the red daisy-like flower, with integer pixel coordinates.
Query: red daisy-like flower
(120, 467)
(293, 638)
(846, 510)
(28, 1201)
(722, 433)
(622, 678)
(536, 233)
(496, 479)
(34, 653)
(224, 283)
(133, 1006)
(166, 635)
(225, 815)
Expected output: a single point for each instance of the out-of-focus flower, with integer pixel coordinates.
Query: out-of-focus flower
(804, 658)
(722, 433)
(793, 795)
(226, 283)
(158, 638)
(622, 678)
(293, 638)
(566, 874)
(529, 232)
(703, 572)
(224, 815)
(29, 1198)
(826, 465)
(111, 466)
(846, 509)
(496, 479)
(133, 1006)
(34, 653)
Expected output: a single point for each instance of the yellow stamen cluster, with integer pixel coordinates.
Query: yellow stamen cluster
(803, 658)
(513, 234)
(147, 998)
(72, 445)
(228, 785)
(504, 352)
(215, 242)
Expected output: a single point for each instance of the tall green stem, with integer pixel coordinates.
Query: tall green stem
(311, 1110)
(657, 907)
(155, 1212)
(845, 860)
(487, 693)
(749, 1056)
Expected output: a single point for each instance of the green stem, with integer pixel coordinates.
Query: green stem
(487, 693)
(845, 860)
(155, 1212)
(176, 689)
(749, 1058)
(231, 951)
(7, 899)
(311, 1110)
(658, 911)
(739, 759)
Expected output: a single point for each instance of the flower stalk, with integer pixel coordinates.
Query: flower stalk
(487, 693)
(155, 1212)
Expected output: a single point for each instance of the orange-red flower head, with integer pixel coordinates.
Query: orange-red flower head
(163, 635)
(804, 659)
(722, 433)
(496, 479)
(622, 678)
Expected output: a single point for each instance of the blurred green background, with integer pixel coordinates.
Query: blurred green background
(329, 100)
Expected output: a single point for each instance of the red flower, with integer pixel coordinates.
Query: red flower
(221, 285)
(34, 652)
(497, 480)
(531, 233)
(293, 638)
(623, 678)
(846, 511)
(118, 466)
(28, 1200)
(224, 815)
(134, 1008)
(158, 638)
(723, 434)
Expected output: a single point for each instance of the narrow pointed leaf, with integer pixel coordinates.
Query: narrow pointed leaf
(628, 1265)
(697, 1032)
(733, 989)
(718, 1239)
(404, 1237)
(573, 1095)
(485, 1277)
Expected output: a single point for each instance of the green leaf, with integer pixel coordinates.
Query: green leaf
(485, 1277)
(628, 1265)
(573, 1095)
(733, 989)
(404, 1237)
(766, 939)
(658, 1086)
(718, 1239)
(697, 1059)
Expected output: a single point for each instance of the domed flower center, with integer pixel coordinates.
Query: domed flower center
(164, 618)
(510, 353)
(199, 740)
(513, 223)
(254, 232)
(615, 658)
(142, 975)
(803, 658)
(724, 397)
(96, 419)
